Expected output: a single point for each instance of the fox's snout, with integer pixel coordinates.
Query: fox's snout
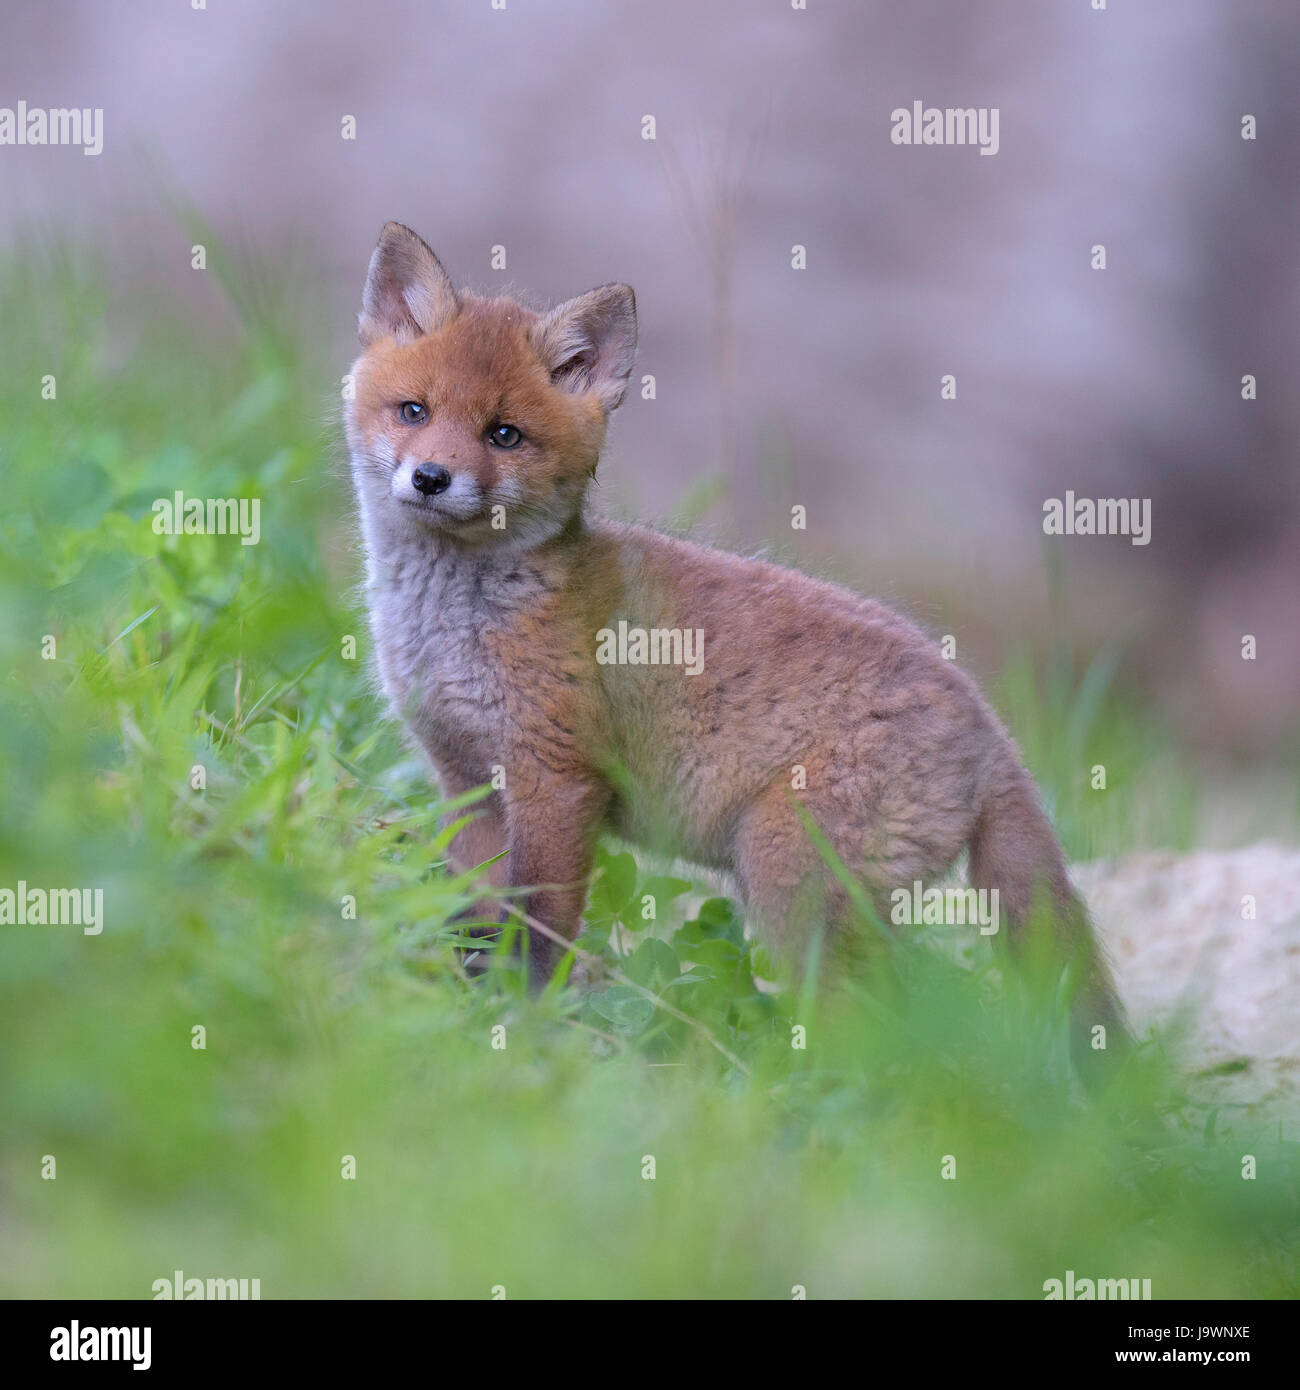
(444, 494)
(430, 479)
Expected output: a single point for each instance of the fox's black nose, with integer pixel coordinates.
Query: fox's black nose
(431, 479)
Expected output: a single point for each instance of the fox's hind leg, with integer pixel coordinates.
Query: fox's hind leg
(882, 841)
(782, 878)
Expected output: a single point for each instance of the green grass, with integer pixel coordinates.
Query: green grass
(330, 1035)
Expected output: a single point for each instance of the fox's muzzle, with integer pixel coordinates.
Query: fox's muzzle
(430, 479)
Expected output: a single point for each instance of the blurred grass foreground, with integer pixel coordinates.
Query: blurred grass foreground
(269, 1064)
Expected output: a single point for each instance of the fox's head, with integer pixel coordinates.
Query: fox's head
(478, 419)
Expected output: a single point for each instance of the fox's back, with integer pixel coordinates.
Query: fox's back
(798, 678)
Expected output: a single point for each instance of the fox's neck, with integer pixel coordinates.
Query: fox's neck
(448, 579)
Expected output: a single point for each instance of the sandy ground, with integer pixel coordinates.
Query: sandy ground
(1221, 986)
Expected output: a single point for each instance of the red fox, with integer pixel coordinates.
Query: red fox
(614, 677)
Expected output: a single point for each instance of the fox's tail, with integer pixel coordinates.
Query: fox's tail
(1014, 850)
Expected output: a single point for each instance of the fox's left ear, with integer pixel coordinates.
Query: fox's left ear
(588, 343)
(407, 291)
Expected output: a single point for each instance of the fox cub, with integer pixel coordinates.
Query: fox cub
(604, 675)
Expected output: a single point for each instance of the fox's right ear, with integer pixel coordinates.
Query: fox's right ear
(588, 343)
(407, 292)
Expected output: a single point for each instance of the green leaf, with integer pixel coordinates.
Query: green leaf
(697, 974)
(652, 964)
(663, 890)
(716, 920)
(614, 885)
(723, 957)
(623, 1008)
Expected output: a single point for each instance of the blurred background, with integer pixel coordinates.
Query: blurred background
(522, 128)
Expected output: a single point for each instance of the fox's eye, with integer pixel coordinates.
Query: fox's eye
(413, 412)
(505, 436)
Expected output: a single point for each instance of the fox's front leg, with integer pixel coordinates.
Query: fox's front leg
(482, 841)
(551, 822)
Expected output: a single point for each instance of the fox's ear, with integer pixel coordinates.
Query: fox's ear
(407, 292)
(588, 343)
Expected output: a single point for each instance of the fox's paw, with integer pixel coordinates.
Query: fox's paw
(588, 972)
